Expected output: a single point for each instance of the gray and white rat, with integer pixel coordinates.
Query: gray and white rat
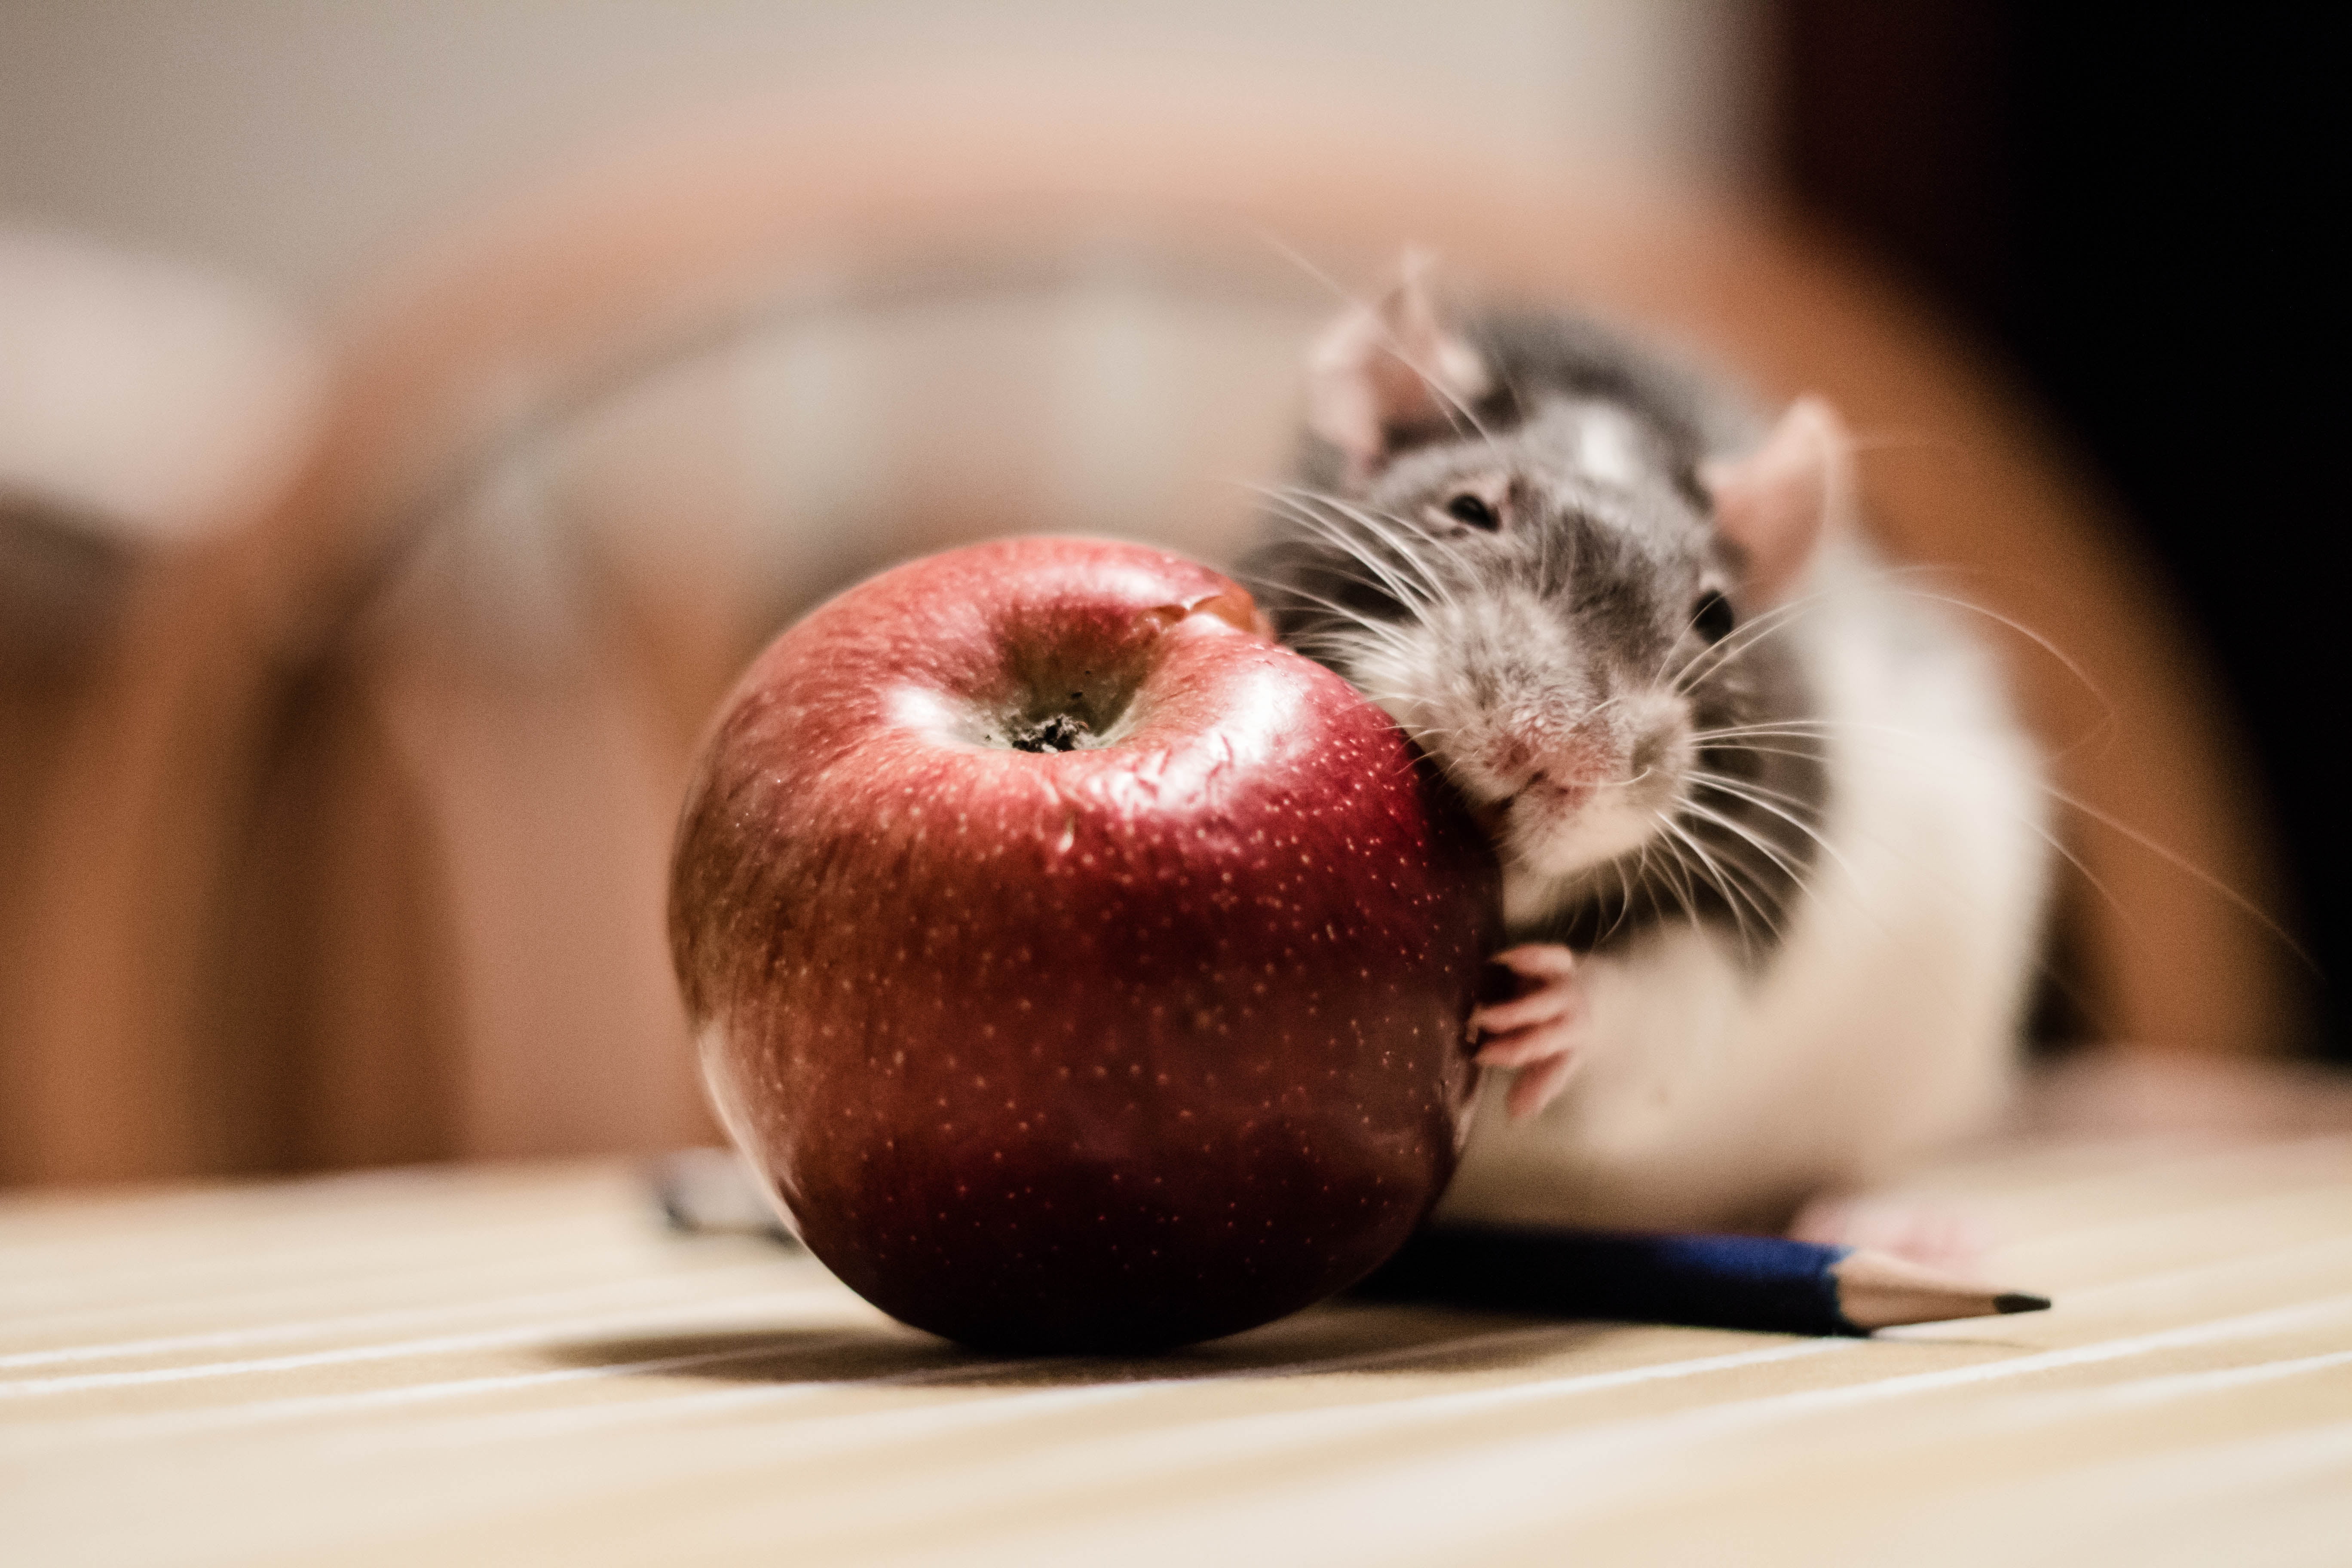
(1772, 842)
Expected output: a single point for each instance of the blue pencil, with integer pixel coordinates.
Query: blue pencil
(1757, 1282)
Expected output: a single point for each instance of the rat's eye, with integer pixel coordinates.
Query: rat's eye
(1472, 510)
(1712, 616)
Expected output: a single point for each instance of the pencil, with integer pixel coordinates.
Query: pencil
(1762, 1283)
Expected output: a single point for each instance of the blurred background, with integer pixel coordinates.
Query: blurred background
(411, 414)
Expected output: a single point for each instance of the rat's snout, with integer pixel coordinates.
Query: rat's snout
(1580, 794)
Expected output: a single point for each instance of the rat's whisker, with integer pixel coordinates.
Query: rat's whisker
(1677, 880)
(1381, 630)
(1625, 889)
(2058, 845)
(1746, 836)
(1763, 801)
(1396, 541)
(1308, 512)
(1724, 883)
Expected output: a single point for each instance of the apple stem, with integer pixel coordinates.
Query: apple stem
(1060, 732)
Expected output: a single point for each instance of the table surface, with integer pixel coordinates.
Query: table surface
(519, 1365)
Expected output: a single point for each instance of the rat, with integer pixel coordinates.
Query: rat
(1773, 843)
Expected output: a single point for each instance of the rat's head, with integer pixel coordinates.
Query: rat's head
(1541, 583)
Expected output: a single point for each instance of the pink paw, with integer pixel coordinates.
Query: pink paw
(1535, 1031)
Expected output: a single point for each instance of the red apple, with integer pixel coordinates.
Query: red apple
(1084, 970)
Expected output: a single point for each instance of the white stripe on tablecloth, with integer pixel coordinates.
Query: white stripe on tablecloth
(2189, 1384)
(827, 1298)
(56, 1436)
(348, 1243)
(314, 1328)
(623, 1249)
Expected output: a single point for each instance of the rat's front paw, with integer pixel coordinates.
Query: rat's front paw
(1535, 1031)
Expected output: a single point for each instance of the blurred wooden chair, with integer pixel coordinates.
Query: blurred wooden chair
(359, 855)
(140, 400)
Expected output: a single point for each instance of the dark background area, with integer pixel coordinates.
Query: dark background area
(2133, 207)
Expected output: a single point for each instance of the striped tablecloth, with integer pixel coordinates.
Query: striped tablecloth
(517, 1365)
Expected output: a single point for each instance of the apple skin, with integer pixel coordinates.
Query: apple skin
(1099, 1049)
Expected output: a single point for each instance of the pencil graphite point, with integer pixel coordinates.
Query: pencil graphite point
(1880, 1291)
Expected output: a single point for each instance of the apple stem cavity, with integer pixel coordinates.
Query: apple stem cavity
(1080, 716)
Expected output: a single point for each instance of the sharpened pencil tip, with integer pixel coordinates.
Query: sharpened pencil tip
(2019, 1301)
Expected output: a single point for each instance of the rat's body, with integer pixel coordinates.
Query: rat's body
(1771, 840)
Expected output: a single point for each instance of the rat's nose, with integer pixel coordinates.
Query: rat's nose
(1577, 760)
(1510, 757)
(1551, 753)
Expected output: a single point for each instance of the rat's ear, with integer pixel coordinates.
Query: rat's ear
(1388, 366)
(1779, 502)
